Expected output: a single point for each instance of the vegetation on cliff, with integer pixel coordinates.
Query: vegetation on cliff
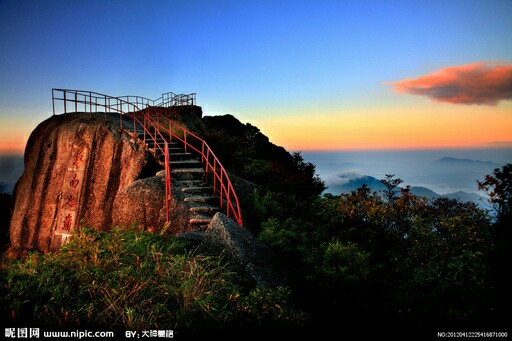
(133, 280)
(390, 260)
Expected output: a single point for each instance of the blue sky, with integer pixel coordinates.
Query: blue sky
(267, 62)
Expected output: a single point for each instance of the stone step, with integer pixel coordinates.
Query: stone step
(158, 138)
(199, 198)
(181, 174)
(179, 154)
(188, 171)
(200, 219)
(175, 149)
(204, 208)
(197, 189)
(202, 222)
(151, 144)
(184, 163)
(191, 183)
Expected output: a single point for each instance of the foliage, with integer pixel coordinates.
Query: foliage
(499, 189)
(244, 150)
(407, 259)
(264, 307)
(364, 254)
(133, 280)
(391, 184)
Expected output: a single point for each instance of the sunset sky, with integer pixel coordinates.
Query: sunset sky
(310, 74)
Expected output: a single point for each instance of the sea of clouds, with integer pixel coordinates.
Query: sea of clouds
(442, 171)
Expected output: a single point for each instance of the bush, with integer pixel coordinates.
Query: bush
(405, 260)
(129, 280)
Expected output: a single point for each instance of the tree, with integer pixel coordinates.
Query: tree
(391, 185)
(499, 189)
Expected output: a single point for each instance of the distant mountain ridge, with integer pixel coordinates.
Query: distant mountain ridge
(351, 182)
(453, 160)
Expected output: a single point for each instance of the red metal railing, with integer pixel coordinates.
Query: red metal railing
(137, 108)
(168, 99)
(222, 185)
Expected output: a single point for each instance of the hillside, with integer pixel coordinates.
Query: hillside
(247, 152)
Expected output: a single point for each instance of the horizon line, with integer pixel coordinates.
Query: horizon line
(12, 153)
(390, 149)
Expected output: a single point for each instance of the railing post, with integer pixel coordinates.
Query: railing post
(185, 139)
(119, 107)
(65, 108)
(215, 176)
(202, 153)
(168, 188)
(221, 190)
(207, 164)
(53, 101)
(154, 139)
(170, 131)
(228, 196)
(76, 102)
(90, 105)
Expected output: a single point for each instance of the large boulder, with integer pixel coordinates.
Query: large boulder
(80, 169)
(241, 249)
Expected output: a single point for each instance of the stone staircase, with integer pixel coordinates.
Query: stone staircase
(188, 175)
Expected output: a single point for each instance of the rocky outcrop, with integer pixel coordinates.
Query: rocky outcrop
(141, 204)
(78, 169)
(241, 249)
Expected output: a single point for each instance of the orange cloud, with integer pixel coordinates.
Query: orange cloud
(477, 83)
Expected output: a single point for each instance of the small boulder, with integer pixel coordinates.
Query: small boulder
(241, 249)
(142, 203)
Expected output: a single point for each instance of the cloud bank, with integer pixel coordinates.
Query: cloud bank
(343, 178)
(477, 83)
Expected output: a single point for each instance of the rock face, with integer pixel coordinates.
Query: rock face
(141, 204)
(80, 170)
(241, 249)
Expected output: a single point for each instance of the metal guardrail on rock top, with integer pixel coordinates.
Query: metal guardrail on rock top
(167, 100)
(147, 113)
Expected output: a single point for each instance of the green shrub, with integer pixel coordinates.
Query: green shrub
(346, 262)
(268, 308)
(129, 280)
(358, 257)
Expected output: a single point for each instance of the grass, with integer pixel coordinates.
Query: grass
(133, 280)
